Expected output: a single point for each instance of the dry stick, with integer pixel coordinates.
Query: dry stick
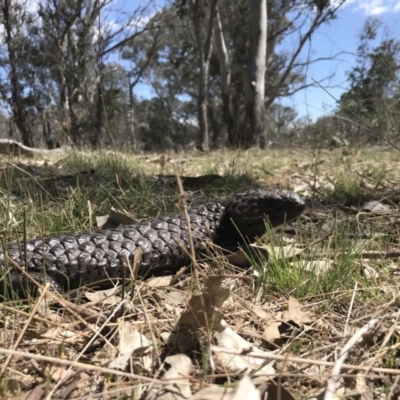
(381, 309)
(37, 284)
(363, 124)
(385, 350)
(58, 299)
(394, 388)
(73, 308)
(193, 258)
(149, 324)
(272, 356)
(381, 354)
(21, 269)
(388, 336)
(332, 382)
(30, 176)
(137, 259)
(368, 255)
(320, 239)
(350, 309)
(24, 329)
(88, 344)
(183, 204)
(37, 318)
(90, 367)
(378, 254)
(78, 365)
(25, 244)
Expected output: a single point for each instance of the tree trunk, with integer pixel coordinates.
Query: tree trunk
(202, 109)
(65, 116)
(225, 74)
(204, 55)
(132, 122)
(98, 125)
(254, 133)
(47, 131)
(18, 109)
(215, 127)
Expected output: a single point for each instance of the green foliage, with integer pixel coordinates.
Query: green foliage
(309, 273)
(163, 129)
(77, 77)
(374, 94)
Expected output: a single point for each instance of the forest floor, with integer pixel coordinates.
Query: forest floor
(315, 316)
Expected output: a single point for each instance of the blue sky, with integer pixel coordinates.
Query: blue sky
(340, 35)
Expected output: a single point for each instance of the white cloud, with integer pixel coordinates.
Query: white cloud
(374, 7)
(32, 6)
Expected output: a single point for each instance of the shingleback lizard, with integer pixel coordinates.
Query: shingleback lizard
(70, 261)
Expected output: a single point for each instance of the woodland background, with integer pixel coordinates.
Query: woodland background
(218, 70)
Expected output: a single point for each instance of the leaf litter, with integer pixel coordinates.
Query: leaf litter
(227, 341)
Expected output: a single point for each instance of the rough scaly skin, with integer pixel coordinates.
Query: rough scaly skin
(70, 261)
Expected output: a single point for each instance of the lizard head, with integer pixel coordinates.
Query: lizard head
(247, 213)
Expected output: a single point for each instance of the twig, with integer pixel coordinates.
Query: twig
(331, 384)
(350, 309)
(25, 328)
(78, 365)
(272, 356)
(67, 375)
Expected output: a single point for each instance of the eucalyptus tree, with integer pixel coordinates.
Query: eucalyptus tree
(171, 73)
(229, 70)
(290, 25)
(66, 36)
(55, 59)
(15, 87)
(371, 105)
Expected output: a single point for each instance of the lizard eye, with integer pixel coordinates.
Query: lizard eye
(270, 202)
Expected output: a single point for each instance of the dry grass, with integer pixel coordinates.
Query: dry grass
(329, 283)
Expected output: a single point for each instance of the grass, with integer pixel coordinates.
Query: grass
(342, 270)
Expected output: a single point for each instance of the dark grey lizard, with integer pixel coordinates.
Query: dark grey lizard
(70, 261)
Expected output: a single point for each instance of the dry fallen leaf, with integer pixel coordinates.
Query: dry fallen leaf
(178, 387)
(260, 312)
(114, 219)
(62, 333)
(35, 394)
(262, 252)
(202, 313)
(158, 281)
(272, 332)
(81, 384)
(315, 266)
(362, 388)
(201, 310)
(175, 297)
(57, 373)
(245, 389)
(273, 391)
(370, 272)
(375, 207)
(277, 324)
(131, 343)
(106, 296)
(228, 339)
(281, 252)
(295, 313)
